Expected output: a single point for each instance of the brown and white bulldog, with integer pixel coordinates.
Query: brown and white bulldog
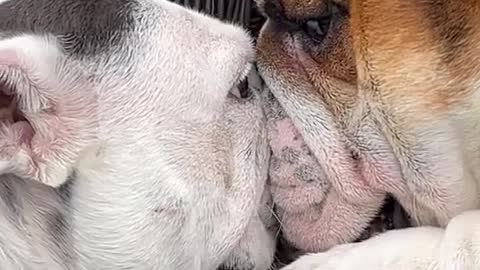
(385, 95)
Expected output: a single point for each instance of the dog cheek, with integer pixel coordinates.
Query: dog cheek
(313, 216)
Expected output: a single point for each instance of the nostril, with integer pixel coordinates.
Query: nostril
(355, 155)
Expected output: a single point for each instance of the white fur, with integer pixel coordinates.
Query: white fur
(170, 168)
(424, 248)
(36, 67)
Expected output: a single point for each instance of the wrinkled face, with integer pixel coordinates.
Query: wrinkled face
(340, 46)
(369, 84)
(309, 41)
(305, 56)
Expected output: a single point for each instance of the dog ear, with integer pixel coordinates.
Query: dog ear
(47, 109)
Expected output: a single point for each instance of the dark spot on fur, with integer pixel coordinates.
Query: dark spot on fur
(354, 155)
(290, 155)
(58, 227)
(173, 209)
(274, 110)
(248, 266)
(7, 195)
(306, 150)
(305, 173)
(274, 163)
(65, 190)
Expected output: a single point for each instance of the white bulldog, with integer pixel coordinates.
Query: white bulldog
(125, 112)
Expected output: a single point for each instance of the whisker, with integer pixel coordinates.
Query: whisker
(277, 218)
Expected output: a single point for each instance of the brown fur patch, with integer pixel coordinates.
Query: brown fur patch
(328, 65)
(401, 65)
(424, 49)
(450, 24)
(409, 59)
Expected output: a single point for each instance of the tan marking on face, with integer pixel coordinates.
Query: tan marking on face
(272, 52)
(328, 67)
(396, 47)
(403, 53)
(401, 67)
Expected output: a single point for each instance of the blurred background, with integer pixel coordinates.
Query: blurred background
(242, 12)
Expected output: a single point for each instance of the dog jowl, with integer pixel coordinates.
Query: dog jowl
(384, 93)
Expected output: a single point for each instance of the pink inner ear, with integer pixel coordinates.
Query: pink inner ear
(12, 117)
(8, 57)
(25, 130)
